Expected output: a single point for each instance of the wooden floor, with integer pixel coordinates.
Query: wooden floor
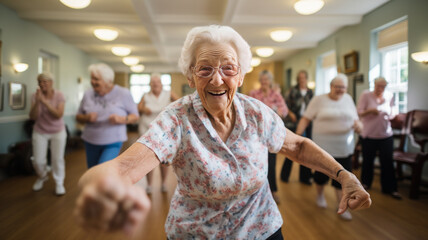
(25, 214)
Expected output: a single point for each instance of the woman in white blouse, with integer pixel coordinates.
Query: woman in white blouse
(334, 118)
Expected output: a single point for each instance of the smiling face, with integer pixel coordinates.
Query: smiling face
(45, 85)
(216, 92)
(337, 89)
(265, 82)
(379, 88)
(98, 84)
(302, 80)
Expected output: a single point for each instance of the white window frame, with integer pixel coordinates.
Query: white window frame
(139, 84)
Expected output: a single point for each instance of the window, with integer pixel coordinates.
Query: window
(326, 71)
(394, 68)
(48, 62)
(140, 84)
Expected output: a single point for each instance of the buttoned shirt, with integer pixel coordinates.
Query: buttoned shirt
(222, 190)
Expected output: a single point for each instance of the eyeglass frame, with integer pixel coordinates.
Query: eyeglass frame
(219, 69)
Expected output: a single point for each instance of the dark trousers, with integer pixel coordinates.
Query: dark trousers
(321, 179)
(305, 173)
(385, 148)
(271, 172)
(276, 236)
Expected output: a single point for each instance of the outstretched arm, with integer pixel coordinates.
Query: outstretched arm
(108, 200)
(307, 153)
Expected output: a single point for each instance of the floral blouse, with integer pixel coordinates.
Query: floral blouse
(222, 191)
(274, 100)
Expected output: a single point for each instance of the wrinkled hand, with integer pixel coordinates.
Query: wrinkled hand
(92, 117)
(353, 194)
(40, 97)
(358, 126)
(111, 205)
(116, 119)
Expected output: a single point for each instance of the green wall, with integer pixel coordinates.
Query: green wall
(22, 42)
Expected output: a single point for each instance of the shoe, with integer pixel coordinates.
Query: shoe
(346, 216)
(148, 190)
(164, 189)
(396, 195)
(59, 190)
(276, 198)
(321, 202)
(38, 185)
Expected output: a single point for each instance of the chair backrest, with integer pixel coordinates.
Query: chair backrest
(418, 127)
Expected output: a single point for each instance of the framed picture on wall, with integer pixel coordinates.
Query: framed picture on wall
(16, 95)
(351, 62)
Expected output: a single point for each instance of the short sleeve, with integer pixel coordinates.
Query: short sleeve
(312, 109)
(163, 136)
(273, 129)
(130, 105)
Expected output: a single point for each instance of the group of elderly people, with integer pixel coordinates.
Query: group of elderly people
(220, 143)
(217, 141)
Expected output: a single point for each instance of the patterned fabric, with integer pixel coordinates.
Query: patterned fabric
(273, 99)
(222, 190)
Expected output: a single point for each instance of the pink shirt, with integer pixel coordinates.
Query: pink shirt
(376, 126)
(222, 191)
(273, 99)
(45, 122)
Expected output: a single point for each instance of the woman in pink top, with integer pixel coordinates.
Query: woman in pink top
(375, 110)
(47, 109)
(276, 102)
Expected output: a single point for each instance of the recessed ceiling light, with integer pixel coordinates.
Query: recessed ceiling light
(76, 4)
(264, 52)
(255, 62)
(307, 7)
(137, 68)
(281, 35)
(106, 34)
(121, 51)
(130, 61)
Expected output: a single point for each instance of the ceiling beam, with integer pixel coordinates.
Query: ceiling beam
(296, 21)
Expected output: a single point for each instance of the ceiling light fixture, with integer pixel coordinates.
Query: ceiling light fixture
(130, 61)
(255, 62)
(137, 68)
(76, 4)
(281, 35)
(121, 51)
(307, 7)
(106, 34)
(20, 67)
(420, 57)
(264, 52)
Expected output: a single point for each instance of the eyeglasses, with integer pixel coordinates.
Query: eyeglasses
(226, 71)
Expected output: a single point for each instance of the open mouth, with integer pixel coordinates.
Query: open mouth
(217, 93)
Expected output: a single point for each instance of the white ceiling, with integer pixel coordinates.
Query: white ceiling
(155, 29)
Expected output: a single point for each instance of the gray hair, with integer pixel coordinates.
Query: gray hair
(46, 75)
(340, 76)
(213, 34)
(153, 75)
(266, 73)
(380, 79)
(106, 72)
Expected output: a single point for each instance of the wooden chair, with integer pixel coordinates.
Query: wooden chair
(396, 124)
(416, 130)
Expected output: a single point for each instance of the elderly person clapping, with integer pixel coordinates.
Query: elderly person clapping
(105, 110)
(217, 142)
(335, 118)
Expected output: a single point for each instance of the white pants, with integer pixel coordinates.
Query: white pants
(57, 146)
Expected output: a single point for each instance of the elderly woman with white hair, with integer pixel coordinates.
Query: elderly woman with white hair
(217, 142)
(334, 118)
(47, 110)
(105, 110)
(375, 109)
